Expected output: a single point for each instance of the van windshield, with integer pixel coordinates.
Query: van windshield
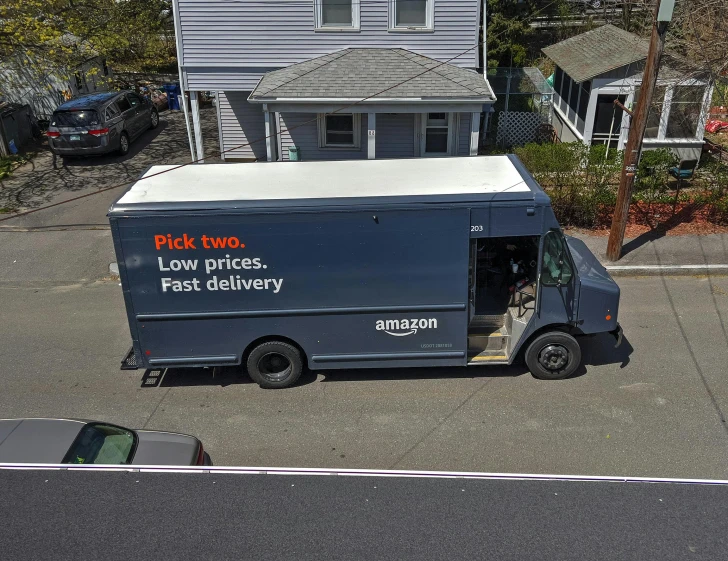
(81, 118)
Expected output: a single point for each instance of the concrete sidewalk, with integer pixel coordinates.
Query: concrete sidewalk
(653, 253)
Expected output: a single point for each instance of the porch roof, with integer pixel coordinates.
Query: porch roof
(376, 75)
(596, 52)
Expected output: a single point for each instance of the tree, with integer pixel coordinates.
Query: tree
(42, 36)
(700, 36)
(509, 32)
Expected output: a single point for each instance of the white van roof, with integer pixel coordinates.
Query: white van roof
(485, 175)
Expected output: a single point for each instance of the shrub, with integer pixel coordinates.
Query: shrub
(579, 179)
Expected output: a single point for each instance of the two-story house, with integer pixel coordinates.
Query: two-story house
(336, 79)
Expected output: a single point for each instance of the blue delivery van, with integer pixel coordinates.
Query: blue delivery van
(357, 264)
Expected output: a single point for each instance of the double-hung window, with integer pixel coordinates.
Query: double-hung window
(337, 15)
(339, 130)
(411, 15)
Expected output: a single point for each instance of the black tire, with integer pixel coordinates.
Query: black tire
(124, 144)
(553, 356)
(275, 364)
(155, 119)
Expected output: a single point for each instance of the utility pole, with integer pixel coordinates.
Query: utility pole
(663, 15)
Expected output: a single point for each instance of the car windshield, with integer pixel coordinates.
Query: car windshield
(101, 444)
(81, 118)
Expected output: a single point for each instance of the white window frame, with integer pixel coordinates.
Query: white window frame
(319, 18)
(429, 19)
(321, 123)
(451, 135)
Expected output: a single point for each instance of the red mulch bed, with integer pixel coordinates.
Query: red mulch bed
(688, 219)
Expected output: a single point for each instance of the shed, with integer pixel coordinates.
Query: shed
(596, 68)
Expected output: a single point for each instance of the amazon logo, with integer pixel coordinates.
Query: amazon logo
(404, 327)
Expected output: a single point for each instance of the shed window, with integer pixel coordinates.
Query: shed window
(583, 105)
(337, 14)
(558, 81)
(655, 112)
(573, 101)
(411, 14)
(685, 109)
(340, 130)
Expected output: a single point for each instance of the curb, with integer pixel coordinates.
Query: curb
(660, 270)
(114, 269)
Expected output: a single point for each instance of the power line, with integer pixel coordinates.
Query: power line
(264, 138)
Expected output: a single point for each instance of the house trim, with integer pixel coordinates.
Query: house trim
(429, 100)
(279, 144)
(687, 142)
(376, 108)
(219, 124)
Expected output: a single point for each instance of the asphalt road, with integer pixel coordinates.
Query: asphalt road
(653, 408)
(105, 516)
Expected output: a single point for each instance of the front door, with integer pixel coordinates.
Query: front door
(556, 281)
(437, 135)
(608, 120)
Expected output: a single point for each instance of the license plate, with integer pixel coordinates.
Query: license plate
(75, 137)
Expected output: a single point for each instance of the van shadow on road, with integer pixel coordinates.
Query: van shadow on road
(596, 351)
(183, 377)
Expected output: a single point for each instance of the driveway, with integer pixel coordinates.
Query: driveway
(72, 242)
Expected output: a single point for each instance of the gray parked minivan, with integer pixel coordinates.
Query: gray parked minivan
(100, 123)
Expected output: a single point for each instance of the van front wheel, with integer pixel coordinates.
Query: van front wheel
(275, 364)
(553, 356)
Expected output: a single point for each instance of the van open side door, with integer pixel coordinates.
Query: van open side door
(557, 281)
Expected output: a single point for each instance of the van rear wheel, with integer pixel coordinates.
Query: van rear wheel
(124, 144)
(275, 364)
(553, 356)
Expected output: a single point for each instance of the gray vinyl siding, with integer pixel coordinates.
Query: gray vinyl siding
(464, 135)
(240, 123)
(395, 135)
(296, 131)
(240, 79)
(258, 33)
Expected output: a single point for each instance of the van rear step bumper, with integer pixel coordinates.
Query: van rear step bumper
(129, 362)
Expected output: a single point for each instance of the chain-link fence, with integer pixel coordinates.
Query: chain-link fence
(524, 107)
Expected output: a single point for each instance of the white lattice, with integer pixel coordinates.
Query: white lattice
(518, 127)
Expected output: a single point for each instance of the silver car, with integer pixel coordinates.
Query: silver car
(72, 441)
(100, 123)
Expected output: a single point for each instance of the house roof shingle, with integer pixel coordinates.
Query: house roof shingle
(375, 73)
(597, 51)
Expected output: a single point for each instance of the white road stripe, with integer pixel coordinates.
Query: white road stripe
(360, 473)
